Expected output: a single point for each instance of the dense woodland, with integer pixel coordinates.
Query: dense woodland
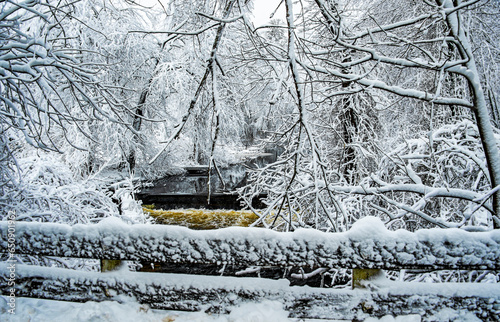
(384, 108)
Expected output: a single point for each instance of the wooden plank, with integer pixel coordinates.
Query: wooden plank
(219, 294)
(112, 239)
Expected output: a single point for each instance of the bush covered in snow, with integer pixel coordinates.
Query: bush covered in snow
(48, 192)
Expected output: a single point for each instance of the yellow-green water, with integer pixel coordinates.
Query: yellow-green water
(202, 218)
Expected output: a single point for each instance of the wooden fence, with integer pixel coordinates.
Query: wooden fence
(367, 246)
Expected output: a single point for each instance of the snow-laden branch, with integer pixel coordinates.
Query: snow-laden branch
(220, 19)
(423, 190)
(177, 32)
(386, 28)
(481, 110)
(400, 91)
(47, 85)
(318, 171)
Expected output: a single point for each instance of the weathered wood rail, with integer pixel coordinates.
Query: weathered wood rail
(367, 245)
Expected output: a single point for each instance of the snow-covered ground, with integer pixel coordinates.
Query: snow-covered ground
(46, 310)
(37, 310)
(110, 311)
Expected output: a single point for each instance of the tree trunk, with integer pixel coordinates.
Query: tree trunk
(136, 125)
(350, 126)
(480, 108)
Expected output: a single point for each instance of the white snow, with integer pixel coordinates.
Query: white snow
(48, 311)
(110, 311)
(402, 318)
(366, 243)
(368, 226)
(452, 315)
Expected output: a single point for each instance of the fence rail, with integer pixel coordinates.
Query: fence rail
(367, 245)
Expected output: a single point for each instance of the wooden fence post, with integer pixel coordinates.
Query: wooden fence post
(364, 274)
(108, 265)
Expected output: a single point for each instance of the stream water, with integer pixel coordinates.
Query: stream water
(191, 190)
(183, 200)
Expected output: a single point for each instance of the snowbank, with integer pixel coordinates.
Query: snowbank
(110, 311)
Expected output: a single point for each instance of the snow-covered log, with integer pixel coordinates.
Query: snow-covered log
(367, 245)
(220, 294)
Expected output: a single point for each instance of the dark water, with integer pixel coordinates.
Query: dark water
(192, 190)
(232, 178)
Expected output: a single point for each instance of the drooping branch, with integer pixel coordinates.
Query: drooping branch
(42, 80)
(182, 33)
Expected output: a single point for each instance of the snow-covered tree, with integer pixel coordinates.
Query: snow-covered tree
(57, 93)
(46, 84)
(363, 68)
(374, 108)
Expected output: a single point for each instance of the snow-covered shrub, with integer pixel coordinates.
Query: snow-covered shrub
(450, 158)
(9, 174)
(435, 179)
(48, 192)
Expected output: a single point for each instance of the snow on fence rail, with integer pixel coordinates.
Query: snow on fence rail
(367, 245)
